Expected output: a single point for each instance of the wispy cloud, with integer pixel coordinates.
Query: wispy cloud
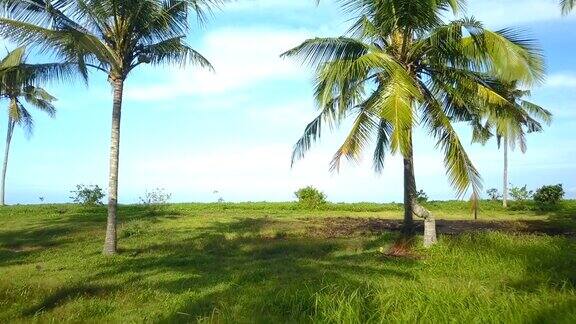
(561, 80)
(241, 57)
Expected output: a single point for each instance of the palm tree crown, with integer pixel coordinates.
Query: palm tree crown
(567, 6)
(403, 66)
(511, 122)
(16, 83)
(114, 36)
(19, 86)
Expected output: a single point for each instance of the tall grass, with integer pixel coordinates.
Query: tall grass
(202, 263)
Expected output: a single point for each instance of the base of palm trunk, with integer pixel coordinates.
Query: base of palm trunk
(429, 232)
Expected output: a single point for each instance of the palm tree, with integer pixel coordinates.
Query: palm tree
(17, 84)
(567, 6)
(510, 123)
(403, 66)
(112, 36)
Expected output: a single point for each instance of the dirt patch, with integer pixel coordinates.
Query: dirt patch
(347, 226)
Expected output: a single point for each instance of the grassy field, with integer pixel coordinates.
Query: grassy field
(275, 263)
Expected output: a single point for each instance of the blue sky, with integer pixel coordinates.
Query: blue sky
(193, 132)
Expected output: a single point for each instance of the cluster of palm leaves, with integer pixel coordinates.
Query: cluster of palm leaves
(401, 66)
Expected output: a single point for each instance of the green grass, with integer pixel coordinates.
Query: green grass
(269, 263)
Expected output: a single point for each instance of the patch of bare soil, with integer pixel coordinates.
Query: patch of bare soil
(348, 226)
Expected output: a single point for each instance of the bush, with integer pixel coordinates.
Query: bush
(87, 195)
(135, 229)
(310, 197)
(493, 194)
(520, 194)
(549, 196)
(154, 200)
(421, 197)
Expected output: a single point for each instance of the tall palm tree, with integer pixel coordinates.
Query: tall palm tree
(112, 36)
(567, 6)
(510, 123)
(17, 80)
(402, 66)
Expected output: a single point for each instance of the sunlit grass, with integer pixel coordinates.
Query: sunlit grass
(274, 263)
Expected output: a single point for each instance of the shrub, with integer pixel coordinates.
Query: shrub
(310, 197)
(493, 194)
(154, 200)
(549, 196)
(421, 197)
(520, 194)
(135, 229)
(87, 195)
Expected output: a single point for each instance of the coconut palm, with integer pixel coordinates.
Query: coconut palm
(112, 36)
(510, 123)
(567, 6)
(17, 86)
(402, 66)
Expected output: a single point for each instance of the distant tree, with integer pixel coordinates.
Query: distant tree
(112, 36)
(19, 87)
(493, 194)
(421, 197)
(521, 194)
(510, 122)
(87, 195)
(401, 66)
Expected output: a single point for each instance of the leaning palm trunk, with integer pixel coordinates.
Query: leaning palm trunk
(505, 181)
(9, 133)
(429, 223)
(110, 242)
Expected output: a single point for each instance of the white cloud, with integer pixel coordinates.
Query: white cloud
(295, 113)
(562, 80)
(241, 57)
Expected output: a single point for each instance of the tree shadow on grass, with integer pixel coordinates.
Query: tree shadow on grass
(255, 274)
(270, 279)
(63, 295)
(548, 263)
(17, 245)
(563, 313)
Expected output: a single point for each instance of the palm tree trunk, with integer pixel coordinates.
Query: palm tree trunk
(411, 206)
(9, 133)
(409, 194)
(110, 242)
(505, 182)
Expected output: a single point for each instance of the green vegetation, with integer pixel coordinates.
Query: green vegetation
(274, 262)
(401, 65)
(87, 195)
(548, 197)
(310, 198)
